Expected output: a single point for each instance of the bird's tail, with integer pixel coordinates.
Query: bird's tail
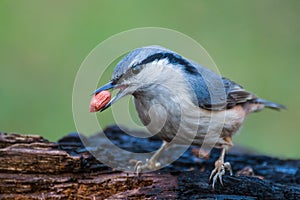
(270, 104)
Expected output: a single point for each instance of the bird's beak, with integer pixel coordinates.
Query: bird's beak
(111, 85)
(107, 86)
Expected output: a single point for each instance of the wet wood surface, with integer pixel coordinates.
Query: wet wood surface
(31, 167)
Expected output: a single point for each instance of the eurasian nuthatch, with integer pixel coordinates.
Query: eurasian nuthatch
(183, 102)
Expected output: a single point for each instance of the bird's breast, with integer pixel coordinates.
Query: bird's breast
(160, 114)
(188, 124)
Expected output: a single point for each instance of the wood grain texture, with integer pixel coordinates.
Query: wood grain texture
(31, 167)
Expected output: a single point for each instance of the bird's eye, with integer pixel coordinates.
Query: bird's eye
(136, 69)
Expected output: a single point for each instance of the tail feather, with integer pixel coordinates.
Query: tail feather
(270, 104)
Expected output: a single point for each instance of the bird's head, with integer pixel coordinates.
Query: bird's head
(146, 68)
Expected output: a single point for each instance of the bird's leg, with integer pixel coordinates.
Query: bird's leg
(152, 163)
(220, 168)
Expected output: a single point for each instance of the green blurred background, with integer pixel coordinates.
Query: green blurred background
(43, 43)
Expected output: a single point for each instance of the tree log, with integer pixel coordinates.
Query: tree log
(31, 167)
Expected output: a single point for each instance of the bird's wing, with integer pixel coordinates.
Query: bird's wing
(236, 94)
(214, 92)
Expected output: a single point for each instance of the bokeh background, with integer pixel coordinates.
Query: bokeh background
(255, 43)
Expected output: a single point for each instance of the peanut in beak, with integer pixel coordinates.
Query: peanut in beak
(99, 101)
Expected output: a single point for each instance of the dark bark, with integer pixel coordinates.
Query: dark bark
(34, 168)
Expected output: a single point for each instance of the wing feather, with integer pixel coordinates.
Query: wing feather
(236, 94)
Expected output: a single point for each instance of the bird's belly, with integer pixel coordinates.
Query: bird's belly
(191, 125)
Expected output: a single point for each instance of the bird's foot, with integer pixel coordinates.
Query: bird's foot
(150, 164)
(219, 171)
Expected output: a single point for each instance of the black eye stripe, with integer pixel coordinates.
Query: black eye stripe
(133, 70)
(173, 59)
